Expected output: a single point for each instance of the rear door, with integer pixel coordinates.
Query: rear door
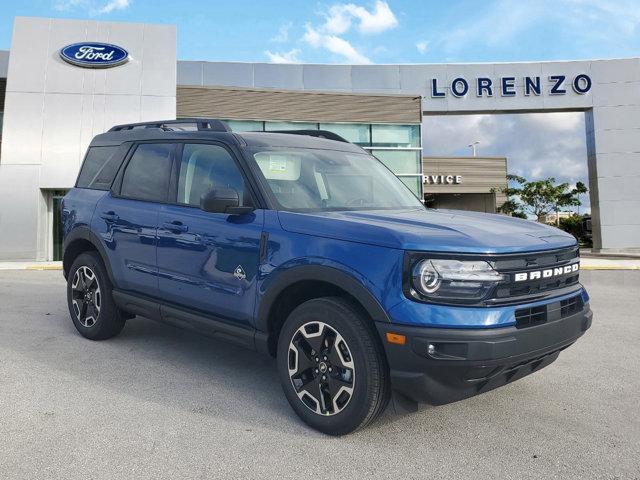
(127, 217)
(208, 261)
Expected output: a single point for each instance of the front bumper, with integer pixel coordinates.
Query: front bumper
(466, 362)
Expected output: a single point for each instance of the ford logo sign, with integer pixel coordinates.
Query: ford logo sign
(94, 55)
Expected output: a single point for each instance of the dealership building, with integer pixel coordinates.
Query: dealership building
(64, 81)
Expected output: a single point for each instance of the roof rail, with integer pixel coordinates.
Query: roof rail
(183, 124)
(314, 133)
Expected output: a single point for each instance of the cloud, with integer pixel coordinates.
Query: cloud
(598, 24)
(92, 7)
(329, 32)
(284, 57)
(422, 46)
(536, 145)
(283, 33)
(335, 45)
(114, 5)
(340, 16)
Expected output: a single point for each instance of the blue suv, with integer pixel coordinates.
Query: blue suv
(303, 246)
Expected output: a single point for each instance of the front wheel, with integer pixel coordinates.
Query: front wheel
(91, 305)
(332, 368)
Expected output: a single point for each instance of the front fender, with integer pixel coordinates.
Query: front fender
(329, 272)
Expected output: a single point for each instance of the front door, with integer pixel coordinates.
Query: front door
(208, 261)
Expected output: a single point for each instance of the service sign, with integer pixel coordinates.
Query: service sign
(442, 179)
(94, 55)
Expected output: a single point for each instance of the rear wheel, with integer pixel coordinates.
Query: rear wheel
(91, 305)
(332, 368)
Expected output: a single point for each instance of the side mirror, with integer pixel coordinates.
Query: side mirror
(223, 200)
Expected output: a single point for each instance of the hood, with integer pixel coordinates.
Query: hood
(430, 230)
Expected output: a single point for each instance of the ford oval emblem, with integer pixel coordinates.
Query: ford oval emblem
(94, 55)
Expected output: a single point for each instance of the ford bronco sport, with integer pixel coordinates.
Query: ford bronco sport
(304, 246)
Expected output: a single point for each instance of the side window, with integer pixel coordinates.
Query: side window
(206, 167)
(147, 174)
(99, 168)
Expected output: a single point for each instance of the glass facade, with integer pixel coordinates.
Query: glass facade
(357, 133)
(399, 136)
(397, 146)
(245, 125)
(414, 182)
(271, 126)
(399, 161)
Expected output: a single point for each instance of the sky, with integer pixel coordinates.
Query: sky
(399, 31)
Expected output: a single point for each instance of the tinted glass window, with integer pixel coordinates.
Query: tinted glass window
(147, 174)
(204, 168)
(99, 168)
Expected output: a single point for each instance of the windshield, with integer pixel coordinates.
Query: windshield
(308, 179)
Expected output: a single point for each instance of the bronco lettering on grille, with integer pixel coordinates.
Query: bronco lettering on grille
(548, 273)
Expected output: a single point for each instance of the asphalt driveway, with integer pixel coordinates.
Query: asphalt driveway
(157, 402)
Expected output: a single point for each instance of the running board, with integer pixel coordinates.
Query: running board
(205, 324)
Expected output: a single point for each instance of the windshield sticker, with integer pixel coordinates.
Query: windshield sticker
(278, 164)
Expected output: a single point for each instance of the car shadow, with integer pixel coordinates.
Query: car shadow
(160, 364)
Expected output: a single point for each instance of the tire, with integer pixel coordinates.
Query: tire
(330, 335)
(91, 305)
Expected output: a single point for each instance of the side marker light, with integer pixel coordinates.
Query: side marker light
(396, 338)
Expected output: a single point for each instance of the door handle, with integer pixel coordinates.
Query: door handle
(109, 216)
(176, 226)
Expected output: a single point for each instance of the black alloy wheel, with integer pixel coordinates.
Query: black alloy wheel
(90, 300)
(86, 296)
(321, 368)
(332, 365)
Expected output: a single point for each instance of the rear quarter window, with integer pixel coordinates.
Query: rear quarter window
(147, 174)
(99, 168)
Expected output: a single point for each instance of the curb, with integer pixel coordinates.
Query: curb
(609, 267)
(43, 267)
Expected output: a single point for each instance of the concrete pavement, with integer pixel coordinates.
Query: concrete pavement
(159, 403)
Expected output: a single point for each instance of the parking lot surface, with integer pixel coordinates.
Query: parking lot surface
(157, 402)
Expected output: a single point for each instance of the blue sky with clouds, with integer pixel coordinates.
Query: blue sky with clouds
(370, 31)
(400, 31)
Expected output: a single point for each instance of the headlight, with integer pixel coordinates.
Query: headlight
(453, 280)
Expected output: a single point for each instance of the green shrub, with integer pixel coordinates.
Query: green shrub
(572, 225)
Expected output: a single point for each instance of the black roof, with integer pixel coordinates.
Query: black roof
(213, 129)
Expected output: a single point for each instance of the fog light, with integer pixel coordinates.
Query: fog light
(431, 349)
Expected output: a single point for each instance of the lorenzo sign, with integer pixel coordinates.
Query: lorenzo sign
(506, 86)
(94, 55)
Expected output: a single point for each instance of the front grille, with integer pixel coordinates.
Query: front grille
(532, 316)
(526, 277)
(540, 263)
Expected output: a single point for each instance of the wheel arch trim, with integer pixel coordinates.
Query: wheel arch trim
(322, 273)
(84, 233)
